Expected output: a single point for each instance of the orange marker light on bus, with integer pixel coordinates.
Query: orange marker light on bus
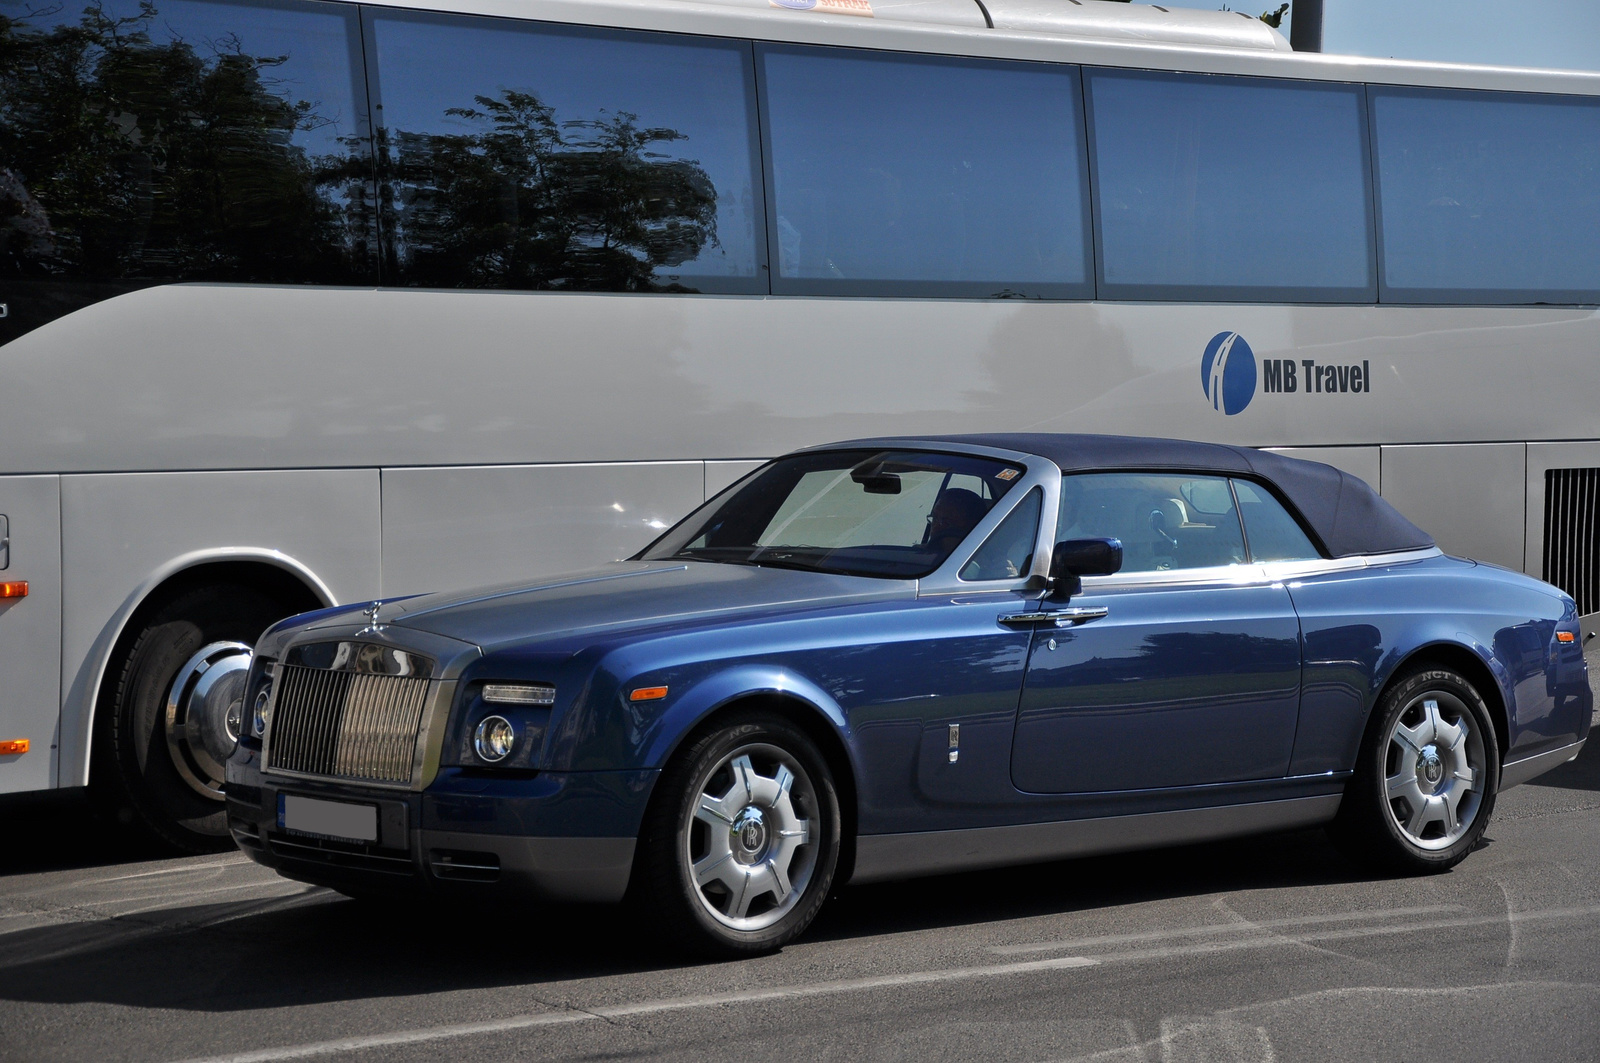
(14, 589)
(15, 745)
(648, 694)
(1565, 636)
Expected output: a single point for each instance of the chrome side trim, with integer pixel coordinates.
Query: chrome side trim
(888, 856)
(1520, 771)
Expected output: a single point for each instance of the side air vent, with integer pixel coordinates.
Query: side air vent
(1572, 534)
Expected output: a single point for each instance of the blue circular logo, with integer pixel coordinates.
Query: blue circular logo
(1228, 373)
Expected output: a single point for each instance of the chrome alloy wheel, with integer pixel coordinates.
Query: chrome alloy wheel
(748, 842)
(1434, 770)
(205, 713)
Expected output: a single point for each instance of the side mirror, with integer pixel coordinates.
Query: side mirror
(1083, 557)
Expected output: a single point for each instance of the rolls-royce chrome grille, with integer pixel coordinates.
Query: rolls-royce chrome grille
(345, 721)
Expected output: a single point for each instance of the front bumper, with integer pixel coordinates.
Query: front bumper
(553, 836)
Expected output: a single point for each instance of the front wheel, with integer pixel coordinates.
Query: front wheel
(1425, 783)
(175, 714)
(741, 842)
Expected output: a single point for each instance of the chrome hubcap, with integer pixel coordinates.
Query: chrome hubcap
(205, 713)
(748, 841)
(1435, 769)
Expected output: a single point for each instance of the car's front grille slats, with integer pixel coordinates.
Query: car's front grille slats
(346, 725)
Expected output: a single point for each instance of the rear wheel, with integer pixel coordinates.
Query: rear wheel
(174, 711)
(741, 842)
(1424, 786)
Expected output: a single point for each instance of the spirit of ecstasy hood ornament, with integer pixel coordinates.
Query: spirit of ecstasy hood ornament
(371, 613)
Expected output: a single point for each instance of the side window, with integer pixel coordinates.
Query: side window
(1008, 552)
(895, 174)
(144, 141)
(1184, 168)
(1164, 522)
(529, 156)
(1488, 197)
(1274, 535)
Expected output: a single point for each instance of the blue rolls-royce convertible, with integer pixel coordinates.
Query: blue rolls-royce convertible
(894, 657)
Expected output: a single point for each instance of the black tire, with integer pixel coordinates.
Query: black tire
(663, 878)
(1369, 828)
(133, 776)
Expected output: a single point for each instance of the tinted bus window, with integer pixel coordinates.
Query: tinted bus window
(1488, 197)
(525, 156)
(1195, 181)
(910, 175)
(174, 140)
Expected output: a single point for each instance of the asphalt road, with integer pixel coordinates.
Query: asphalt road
(1267, 949)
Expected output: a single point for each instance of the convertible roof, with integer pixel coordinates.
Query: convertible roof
(1342, 510)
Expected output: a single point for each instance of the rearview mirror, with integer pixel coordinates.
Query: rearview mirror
(1083, 557)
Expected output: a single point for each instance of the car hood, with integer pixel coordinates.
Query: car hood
(628, 594)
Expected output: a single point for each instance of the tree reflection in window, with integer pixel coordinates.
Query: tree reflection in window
(193, 142)
(533, 202)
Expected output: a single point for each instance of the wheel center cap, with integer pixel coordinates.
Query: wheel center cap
(749, 835)
(1429, 766)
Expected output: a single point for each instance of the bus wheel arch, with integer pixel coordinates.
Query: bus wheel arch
(148, 767)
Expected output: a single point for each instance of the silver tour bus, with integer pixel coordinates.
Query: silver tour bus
(306, 302)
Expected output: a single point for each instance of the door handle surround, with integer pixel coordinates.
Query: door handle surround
(1058, 617)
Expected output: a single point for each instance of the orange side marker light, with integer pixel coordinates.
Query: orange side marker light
(1566, 636)
(648, 694)
(15, 745)
(14, 589)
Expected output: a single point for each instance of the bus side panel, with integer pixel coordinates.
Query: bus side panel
(30, 629)
(448, 528)
(1469, 496)
(122, 534)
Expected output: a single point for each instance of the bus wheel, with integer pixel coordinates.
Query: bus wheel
(171, 721)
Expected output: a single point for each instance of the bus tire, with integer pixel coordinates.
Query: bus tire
(135, 776)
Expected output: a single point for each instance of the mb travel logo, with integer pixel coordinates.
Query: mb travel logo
(1230, 377)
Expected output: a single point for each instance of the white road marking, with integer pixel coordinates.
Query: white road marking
(648, 1007)
(1079, 944)
(852, 985)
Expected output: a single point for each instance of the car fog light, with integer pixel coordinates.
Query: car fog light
(261, 713)
(494, 738)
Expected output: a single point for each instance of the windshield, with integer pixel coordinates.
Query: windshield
(889, 513)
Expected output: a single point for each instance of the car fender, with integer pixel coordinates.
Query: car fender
(727, 686)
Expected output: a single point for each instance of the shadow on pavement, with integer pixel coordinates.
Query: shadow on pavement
(59, 830)
(325, 948)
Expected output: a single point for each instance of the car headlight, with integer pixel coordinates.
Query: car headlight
(493, 739)
(519, 693)
(258, 692)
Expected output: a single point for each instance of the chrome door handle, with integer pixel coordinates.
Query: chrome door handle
(1058, 617)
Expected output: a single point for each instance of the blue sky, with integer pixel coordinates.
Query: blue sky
(1547, 33)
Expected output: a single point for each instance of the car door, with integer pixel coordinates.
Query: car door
(30, 630)
(1181, 670)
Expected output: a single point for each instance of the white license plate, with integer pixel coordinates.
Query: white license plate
(328, 819)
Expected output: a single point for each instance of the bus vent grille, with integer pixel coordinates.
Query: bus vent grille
(1572, 534)
(345, 725)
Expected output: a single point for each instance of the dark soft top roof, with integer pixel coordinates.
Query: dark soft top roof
(1341, 510)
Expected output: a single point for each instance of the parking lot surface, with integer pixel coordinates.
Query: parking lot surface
(1262, 949)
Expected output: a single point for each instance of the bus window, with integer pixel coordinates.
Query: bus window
(1195, 177)
(171, 140)
(529, 156)
(910, 175)
(1488, 197)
